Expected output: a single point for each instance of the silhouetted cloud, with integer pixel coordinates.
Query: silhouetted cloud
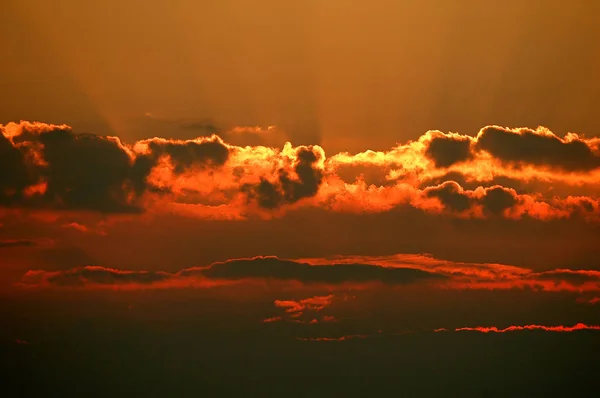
(451, 195)
(14, 174)
(537, 147)
(95, 275)
(448, 150)
(274, 268)
(54, 168)
(17, 243)
(575, 277)
(185, 154)
(390, 270)
(493, 200)
(86, 172)
(287, 189)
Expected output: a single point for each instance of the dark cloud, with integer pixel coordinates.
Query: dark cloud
(446, 150)
(451, 195)
(286, 270)
(586, 204)
(271, 268)
(574, 277)
(87, 171)
(287, 189)
(14, 174)
(17, 243)
(497, 199)
(185, 154)
(75, 172)
(104, 276)
(494, 200)
(526, 146)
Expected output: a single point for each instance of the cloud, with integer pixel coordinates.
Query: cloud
(316, 303)
(538, 147)
(14, 175)
(287, 270)
(480, 276)
(559, 328)
(287, 189)
(451, 195)
(497, 200)
(588, 300)
(575, 277)
(40, 244)
(335, 273)
(238, 270)
(447, 150)
(17, 243)
(515, 148)
(183, 155)
(481, 329)
(95, 275)
(50, 167)
(295, 310)
(81, 172)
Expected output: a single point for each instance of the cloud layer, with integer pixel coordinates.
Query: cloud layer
(341, 271)
(494, 329)
(47, 166)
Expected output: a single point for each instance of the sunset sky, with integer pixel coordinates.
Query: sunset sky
(311, 198)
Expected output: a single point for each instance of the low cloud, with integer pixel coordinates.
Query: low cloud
(95, 275)
(17, 243)
(339, 272)
(304, 310)
(287, 270)
(558, 328)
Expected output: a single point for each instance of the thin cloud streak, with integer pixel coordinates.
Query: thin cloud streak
(558, 328)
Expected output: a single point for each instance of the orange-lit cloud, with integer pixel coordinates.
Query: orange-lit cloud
(295, 310)
(273, 319)
(50, 167)
(234, 271)
(316, 303)
(559, 328)
(356, 271)
(592, 301)
(481, 329)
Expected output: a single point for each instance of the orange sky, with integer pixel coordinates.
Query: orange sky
(298, 174)
(346, 75)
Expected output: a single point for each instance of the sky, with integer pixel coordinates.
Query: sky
(266, 198)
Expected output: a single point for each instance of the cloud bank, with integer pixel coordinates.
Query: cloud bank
(339, 272)
(50, 167)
